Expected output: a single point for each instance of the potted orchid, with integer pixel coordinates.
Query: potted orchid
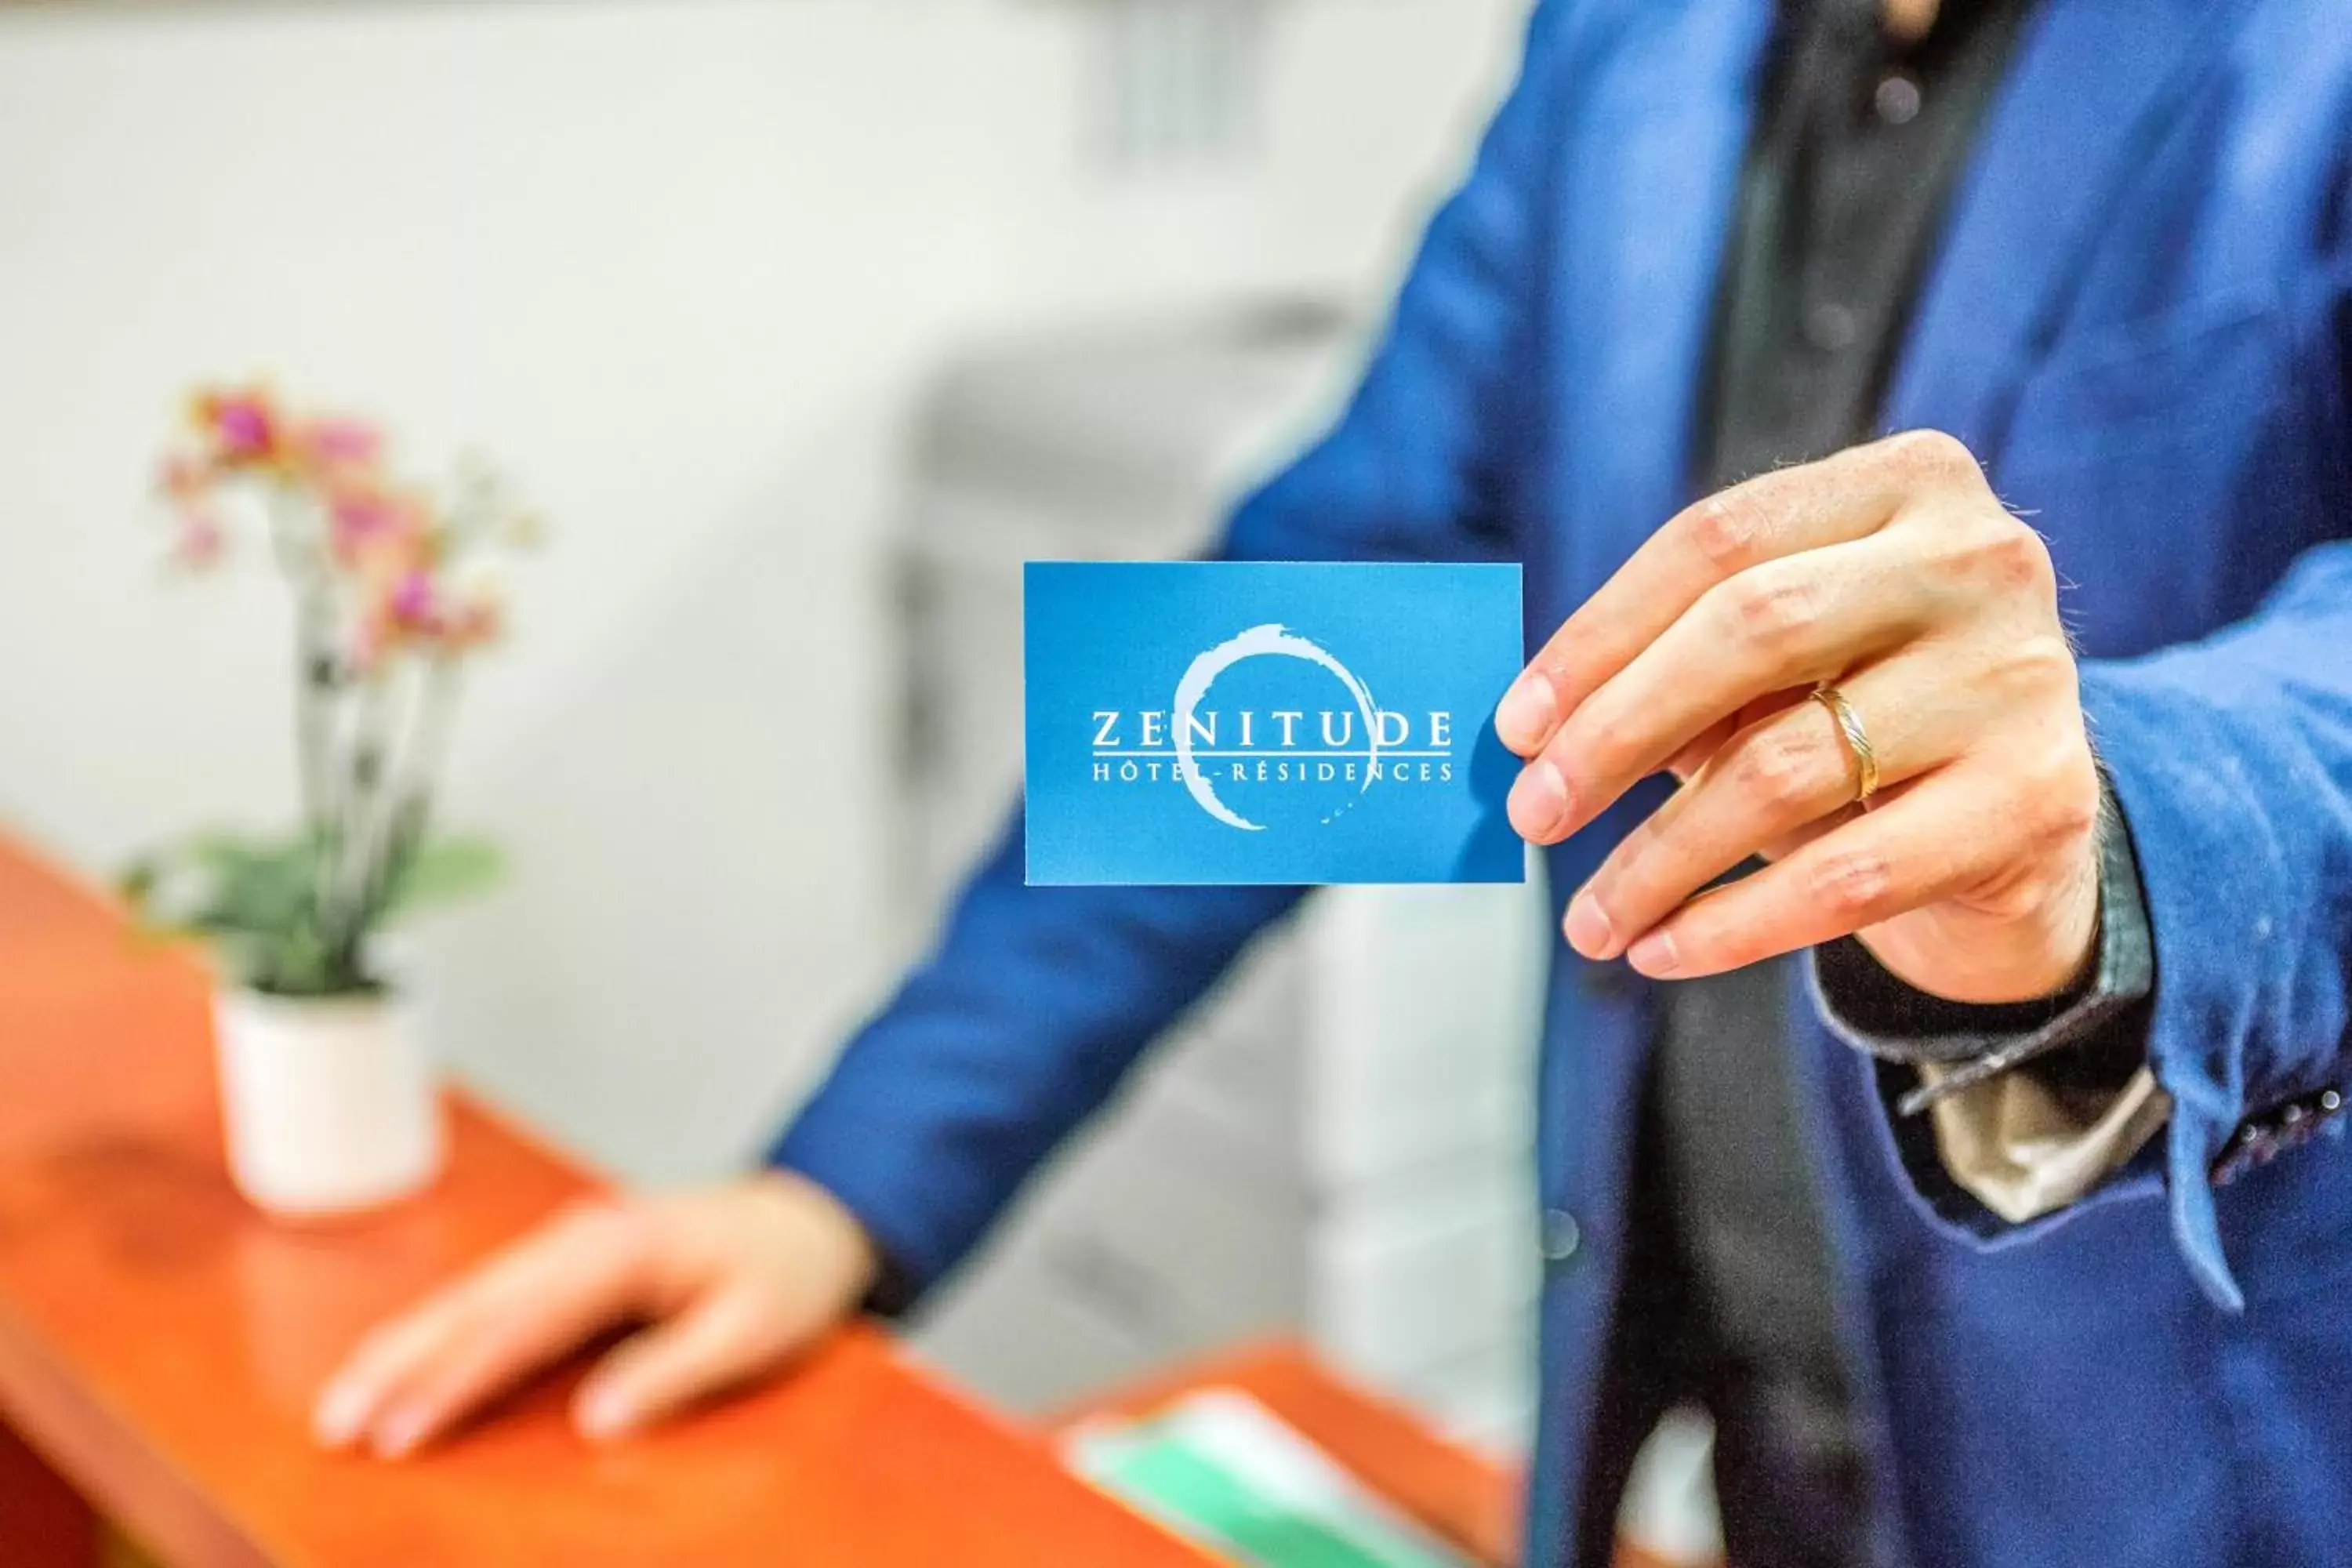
(326, 1092)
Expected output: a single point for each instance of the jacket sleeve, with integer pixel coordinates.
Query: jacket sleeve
(2233, 760)
(1037, 1000)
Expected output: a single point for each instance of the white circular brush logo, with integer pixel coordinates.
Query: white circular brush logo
(1261, 642)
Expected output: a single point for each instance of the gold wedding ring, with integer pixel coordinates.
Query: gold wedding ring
(1857, 741)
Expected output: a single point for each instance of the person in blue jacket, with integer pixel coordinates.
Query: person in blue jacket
(2009, 1221)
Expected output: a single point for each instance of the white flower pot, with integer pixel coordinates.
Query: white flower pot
(329, 1104)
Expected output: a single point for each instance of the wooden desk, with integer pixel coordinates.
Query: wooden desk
(160, 1345)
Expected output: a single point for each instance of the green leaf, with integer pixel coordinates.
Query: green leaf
(264, 888)
(216, 883)
(254, 902)
(443, 871)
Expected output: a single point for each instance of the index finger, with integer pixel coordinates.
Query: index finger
(528, 1304)
(1840, 498)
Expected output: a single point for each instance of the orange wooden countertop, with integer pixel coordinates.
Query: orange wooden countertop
(160, 1342)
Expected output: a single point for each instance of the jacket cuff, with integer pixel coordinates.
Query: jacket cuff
(2097, 1021)
(904, 1267)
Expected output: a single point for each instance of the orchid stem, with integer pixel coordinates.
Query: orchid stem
(316, 678)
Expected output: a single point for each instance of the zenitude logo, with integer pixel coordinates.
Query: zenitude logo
(1263, 747)
(1256, 642)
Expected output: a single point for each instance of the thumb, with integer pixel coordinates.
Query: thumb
(723, 1339)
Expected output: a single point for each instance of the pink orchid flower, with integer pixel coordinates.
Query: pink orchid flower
(379, 553)
(478, 620)
(247, 428)
(183, 477)
(414, 605)
(340, 443)
(359, 519)
(202, 540)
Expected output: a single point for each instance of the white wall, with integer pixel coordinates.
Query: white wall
(680, 265)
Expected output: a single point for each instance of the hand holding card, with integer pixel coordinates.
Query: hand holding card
(1875, 629)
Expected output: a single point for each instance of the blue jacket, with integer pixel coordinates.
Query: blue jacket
(2141, 321)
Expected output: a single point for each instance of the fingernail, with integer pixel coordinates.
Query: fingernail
(1588, 931)
(606, 1413)
(335, 1421)
(1654, 955)
(1538, 800)
(1523, 720)
(398, 1433)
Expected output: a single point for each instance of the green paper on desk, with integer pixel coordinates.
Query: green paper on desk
(1220, 1468)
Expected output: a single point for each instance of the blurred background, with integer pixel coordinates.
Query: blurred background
(803, 322)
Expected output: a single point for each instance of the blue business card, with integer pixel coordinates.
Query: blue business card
(1283, 722)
